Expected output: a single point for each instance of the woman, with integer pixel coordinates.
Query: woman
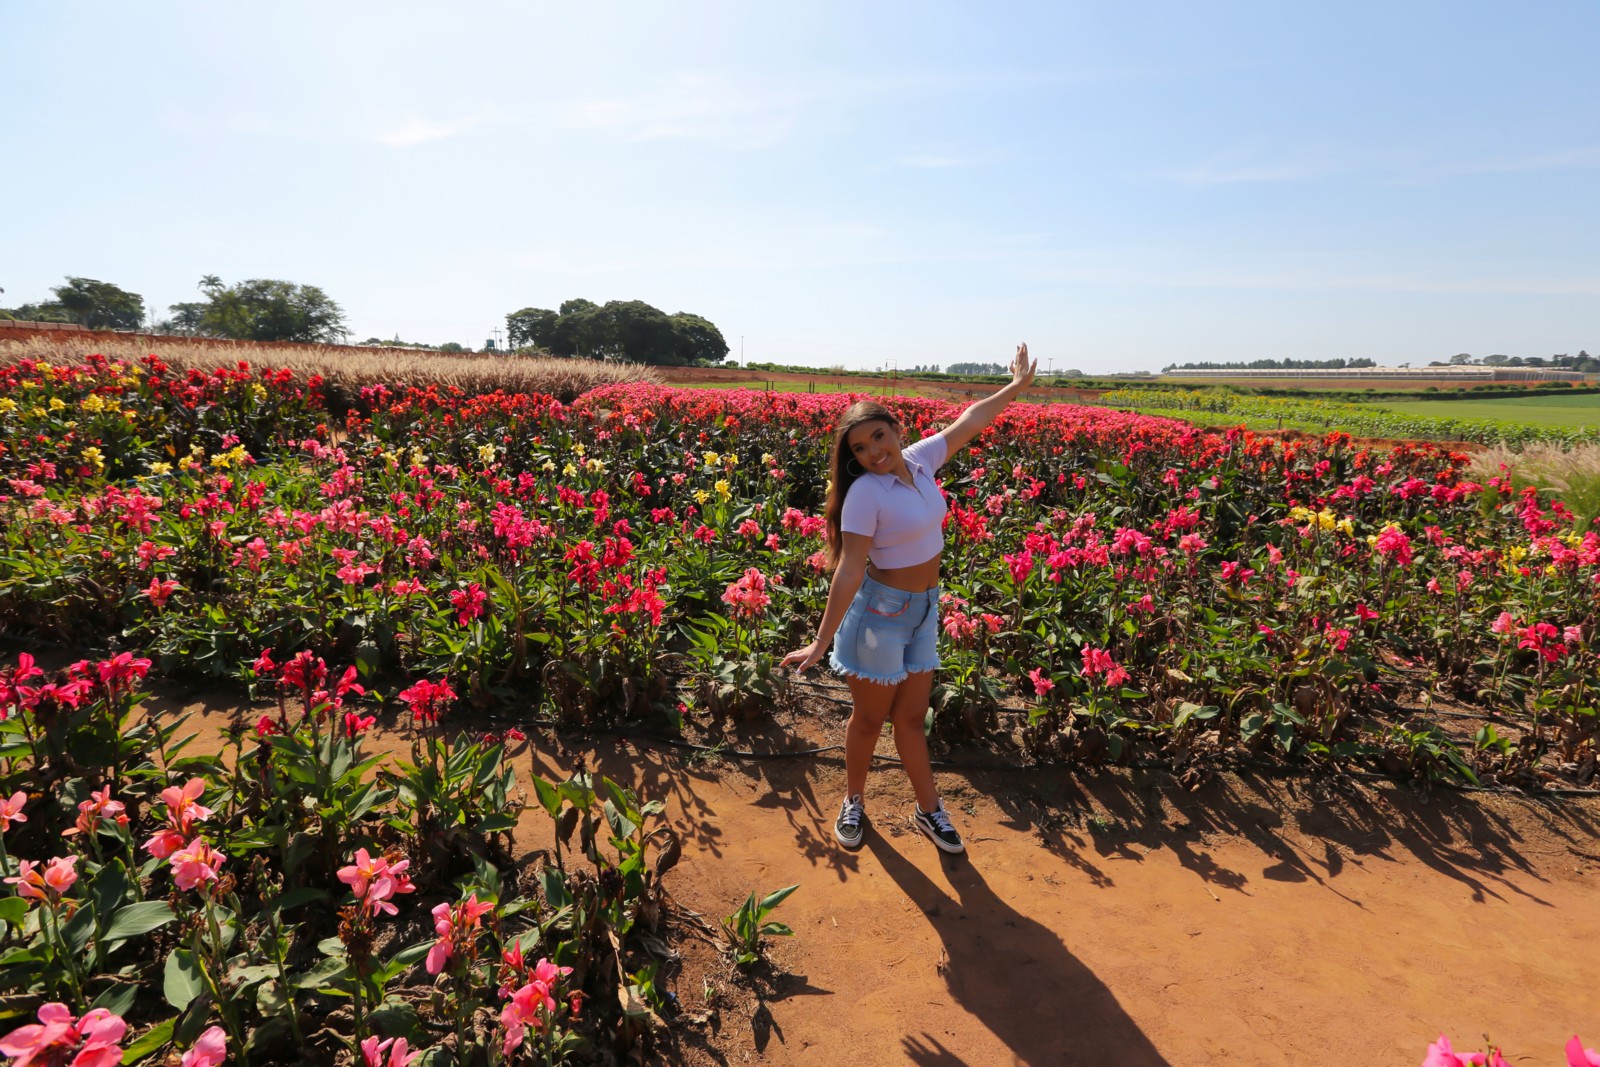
(885, 519)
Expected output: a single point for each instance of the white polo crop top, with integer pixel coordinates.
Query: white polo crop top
(905, 522)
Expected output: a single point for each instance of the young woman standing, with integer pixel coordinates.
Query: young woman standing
(885, 519)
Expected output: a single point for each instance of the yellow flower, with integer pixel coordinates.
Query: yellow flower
(568, 471)
(596, 465)
(36, 413)
(579, 448)
(701, 496)
(259, 391)
(93, 402)
(1298, 514)
(1551, 570)
(768, 459)
(419, 458)
(7, 405)
(160, 468)
(1518, 553)
(390, 459)
(1372, 539)
(730, 460)
(548, 465)
(486, 454)
(1346, 527)
(221, 460)
(711, 458)
(44, 368)
(724, 490)
(56, 404)
(1327, 519)
(95, 456)
(239, 455)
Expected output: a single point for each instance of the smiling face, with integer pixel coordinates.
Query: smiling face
(875, 445)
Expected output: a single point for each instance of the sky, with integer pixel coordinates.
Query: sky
(1123, 186)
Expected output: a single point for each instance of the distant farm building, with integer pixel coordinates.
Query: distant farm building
(1394, 374)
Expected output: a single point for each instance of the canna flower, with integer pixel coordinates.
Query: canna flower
(1578, 1056)
(427, 700)
(160, 590)
(99, 806)
(58, 877)
(196, 865)
(1097, 661)
(1041, 682)
(468, 603)
(210, 1049)
(11, 810)
(398, 1049)
(748, 595)
(92, 1041)
(375, 880)
(1504, 623)
(532, 1004)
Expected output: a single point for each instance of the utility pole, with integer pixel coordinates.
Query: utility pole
(741, 350)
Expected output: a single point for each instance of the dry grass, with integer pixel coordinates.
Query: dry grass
(1572, 475)
(353, 367)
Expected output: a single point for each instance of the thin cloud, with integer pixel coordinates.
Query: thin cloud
(934, 162)
(421, 131)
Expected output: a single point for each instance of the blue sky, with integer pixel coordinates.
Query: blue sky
(1121, 185)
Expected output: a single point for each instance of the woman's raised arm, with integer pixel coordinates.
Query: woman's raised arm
(982, 413)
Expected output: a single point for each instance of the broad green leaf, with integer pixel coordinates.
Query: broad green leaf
(157, 1037)
(181, 981)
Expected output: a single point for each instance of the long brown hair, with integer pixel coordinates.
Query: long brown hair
(838, 466)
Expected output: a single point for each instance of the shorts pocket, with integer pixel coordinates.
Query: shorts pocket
(885, 607)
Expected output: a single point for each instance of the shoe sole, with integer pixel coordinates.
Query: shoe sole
(954, 850)
(851, 845)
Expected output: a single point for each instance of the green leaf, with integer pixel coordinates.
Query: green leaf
(334, 968)
(13, 910)
(773, 899)
(499, 821)
(181, 982)
(150, 1041)
(136, 919)
(296, 897)
(117, 999)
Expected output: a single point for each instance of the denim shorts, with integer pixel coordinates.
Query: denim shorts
(887, 634)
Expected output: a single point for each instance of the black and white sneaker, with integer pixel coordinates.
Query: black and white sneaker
(936, 824)
(850, 826)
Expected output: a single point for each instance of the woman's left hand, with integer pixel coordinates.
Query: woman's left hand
(1023, 368)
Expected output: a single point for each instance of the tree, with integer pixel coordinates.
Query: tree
(267, 309)
(1460, 359)
(100, 305)
(531, 327)
(696, 340)
(186, 317)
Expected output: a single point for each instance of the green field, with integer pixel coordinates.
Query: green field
(1532, 410)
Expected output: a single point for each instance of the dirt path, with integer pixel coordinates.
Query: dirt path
(1112, 919)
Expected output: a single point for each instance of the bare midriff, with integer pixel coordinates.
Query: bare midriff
(917, 578)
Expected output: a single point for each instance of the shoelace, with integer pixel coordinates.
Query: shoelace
(940, 820)
(852, 812)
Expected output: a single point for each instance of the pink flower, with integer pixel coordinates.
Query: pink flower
(59, 876)
(196, 865)
(1364, 613)
(209, 1050)
(1572, 635)
(1578, 1056)
(183, 811)
(468, 603)
(748, 596)
(1097, 661)
(1041, 682)
(159, 591)
(374, 881)
(57, 1035)
(427, 699)
(1394, 544)
(452, 924)
(1232, 570)
(373, 1049)
(1504, 623)
(99, 806)
(11, 810)
(531, 1005)
(1440, 1054)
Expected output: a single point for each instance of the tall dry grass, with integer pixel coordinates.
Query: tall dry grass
(1571, 475)
(351, 368)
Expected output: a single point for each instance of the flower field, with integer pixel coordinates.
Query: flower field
(1118, 588)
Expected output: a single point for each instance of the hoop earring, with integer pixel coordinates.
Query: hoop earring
(857, 472)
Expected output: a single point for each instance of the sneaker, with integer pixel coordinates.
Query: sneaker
(936, 824)
(849, 827)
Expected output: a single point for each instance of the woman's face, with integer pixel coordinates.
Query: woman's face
(875, 445)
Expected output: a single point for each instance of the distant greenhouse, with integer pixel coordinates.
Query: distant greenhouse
(1424, 374)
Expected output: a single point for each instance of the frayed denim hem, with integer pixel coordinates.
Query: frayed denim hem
(866, 676)
(918, 668)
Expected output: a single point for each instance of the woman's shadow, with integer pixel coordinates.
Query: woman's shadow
(1014, 975)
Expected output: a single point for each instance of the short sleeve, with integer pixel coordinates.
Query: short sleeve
(860, 512)
(931, 452)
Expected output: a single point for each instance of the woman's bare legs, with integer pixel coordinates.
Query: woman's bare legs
(871, 703)
(907, 705)
(909, 712)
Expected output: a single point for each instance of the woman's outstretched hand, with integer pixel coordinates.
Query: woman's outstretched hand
(1023, 368)
(803, 659)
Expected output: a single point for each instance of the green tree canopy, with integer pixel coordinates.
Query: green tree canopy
(268, 309)
(621, 329)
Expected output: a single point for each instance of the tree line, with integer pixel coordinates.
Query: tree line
(257, 309)
(630, 330)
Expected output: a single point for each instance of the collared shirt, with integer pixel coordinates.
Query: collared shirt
(905, 522)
